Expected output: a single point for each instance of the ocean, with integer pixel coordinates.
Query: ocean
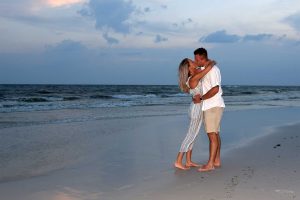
(27, 98)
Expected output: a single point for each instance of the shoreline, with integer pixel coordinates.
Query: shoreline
(68, 115)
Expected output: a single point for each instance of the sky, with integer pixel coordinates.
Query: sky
(142, 42)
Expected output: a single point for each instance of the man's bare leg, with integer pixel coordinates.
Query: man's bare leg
(213, 146)
(189, 162)
(217, 162)
(178, 163)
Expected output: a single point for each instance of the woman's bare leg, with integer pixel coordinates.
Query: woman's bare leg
(189, 162)
(178, 164)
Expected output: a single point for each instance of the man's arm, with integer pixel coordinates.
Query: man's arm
(212, 92)
(214, 79)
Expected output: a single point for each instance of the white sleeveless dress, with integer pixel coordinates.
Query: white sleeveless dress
(195, 115)
(196, 90)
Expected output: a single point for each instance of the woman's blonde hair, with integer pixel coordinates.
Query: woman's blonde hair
(183, 74)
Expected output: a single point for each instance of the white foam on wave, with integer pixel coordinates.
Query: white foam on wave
(134, 96)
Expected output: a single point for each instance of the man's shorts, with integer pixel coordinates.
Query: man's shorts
(212, 119)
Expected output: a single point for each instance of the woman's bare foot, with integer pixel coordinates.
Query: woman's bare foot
(217, 164)
(206, 168)
(192, 164)
(180, 166)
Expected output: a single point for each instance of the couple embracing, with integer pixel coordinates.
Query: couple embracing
(202, 79)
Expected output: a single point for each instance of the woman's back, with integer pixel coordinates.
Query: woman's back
(196, 90)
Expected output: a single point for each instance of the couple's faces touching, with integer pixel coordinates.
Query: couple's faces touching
(192, 67)
(200, 60)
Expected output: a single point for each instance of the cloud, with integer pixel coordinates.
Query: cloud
(258, 37)
(112, 14)
(294, 20)
(187, 21)
(159, 39)
(223, 37)
(57, 3)
(110, 40)
(66, 46)
(183, 23)
(164, 6)
(220, 37)
(147, 9)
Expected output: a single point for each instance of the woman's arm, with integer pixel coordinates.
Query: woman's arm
(201, 73)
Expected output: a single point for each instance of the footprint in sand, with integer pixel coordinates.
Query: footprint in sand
(277, 145)
(245, 174)
(284, 194)
(230, 186)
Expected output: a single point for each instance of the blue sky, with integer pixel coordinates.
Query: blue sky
(142, 42)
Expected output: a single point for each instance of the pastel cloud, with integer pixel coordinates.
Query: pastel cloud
(294, 20)
(112, 14)
(58, 3)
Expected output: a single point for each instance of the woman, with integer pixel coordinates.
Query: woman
(189, 82)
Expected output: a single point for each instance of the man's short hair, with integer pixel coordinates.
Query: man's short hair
(201, 51)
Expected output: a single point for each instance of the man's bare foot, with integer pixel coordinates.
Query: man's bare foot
(180, 166)
(206, 168)
(192, 164)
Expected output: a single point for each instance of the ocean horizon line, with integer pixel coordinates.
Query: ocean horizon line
(96, 84)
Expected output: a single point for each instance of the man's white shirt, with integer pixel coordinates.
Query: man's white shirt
(210, 80)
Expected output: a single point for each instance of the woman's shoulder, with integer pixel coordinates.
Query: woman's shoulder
(192, 82)
(188, 81)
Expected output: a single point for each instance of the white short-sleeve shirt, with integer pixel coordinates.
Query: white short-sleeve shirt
(210, 80)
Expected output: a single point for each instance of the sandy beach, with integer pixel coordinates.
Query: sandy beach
(80, 154)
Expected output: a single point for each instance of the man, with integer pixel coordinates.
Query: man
(213, 106)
